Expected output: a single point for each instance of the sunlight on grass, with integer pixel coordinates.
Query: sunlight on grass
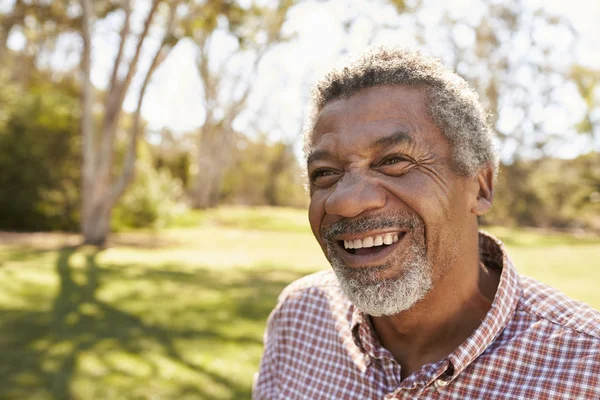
(274, 219)
(181, 314)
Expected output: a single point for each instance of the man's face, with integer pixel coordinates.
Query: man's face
(385, 205)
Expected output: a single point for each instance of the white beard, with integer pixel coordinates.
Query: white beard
(389, 288)
(376, 296)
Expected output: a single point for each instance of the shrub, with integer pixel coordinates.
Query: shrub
(39, 158)
(151, 201)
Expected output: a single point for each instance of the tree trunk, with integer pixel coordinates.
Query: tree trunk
(213, 156)
(275, 168)
(96, 210)
(208, 187)
(100, 189)
(96, 225)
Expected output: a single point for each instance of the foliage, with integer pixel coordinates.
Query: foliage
(549, 193)
(264, 173)
(588, 82)
(39, 158)
(181, 315)
(171, 151)
(178, 165)
(151, 201)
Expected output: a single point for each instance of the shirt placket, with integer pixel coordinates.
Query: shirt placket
(392, 371)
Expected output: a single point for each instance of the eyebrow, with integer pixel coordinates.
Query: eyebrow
(318, 155)
(396, 138)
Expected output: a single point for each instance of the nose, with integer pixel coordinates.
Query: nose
(353, 195)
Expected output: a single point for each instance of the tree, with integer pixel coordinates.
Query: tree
(263, 172)
(549, 192)
(40, 23)
(101, 186)
(255, 30)
(588, 84)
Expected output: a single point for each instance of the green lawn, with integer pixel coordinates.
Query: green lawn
(181, 314)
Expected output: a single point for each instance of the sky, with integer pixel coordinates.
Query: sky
(174, 98)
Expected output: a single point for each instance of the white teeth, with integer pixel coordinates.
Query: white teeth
(387, 238)
(371, 241)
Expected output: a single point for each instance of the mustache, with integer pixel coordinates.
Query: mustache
(363, 223)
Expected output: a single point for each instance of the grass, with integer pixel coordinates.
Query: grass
(181, 314)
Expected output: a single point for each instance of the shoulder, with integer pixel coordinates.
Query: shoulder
(319, 282)
(316, 293)
(546, 303)
(314, 303)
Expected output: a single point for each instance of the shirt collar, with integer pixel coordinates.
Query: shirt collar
(493, 255)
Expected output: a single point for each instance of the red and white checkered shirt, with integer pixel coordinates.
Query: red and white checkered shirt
(534, 343)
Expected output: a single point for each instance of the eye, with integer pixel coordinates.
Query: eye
(394, 165)
(391, 160)
(323, 177)
(320, 173)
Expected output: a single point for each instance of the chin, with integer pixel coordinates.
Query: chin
(376, 295)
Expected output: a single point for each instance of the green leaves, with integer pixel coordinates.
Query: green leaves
(39, 159)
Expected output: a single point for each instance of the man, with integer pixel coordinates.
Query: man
(419, 304)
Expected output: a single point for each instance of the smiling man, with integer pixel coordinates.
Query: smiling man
(420, 304)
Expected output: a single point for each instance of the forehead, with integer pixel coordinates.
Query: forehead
(373, 113)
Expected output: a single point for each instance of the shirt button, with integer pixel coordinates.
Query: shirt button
(440, 383)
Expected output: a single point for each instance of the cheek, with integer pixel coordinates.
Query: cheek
(423, 196)
(316, 211)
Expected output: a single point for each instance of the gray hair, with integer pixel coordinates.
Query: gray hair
(453, 106)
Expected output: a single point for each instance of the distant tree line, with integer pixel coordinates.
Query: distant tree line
(549, 193)
(40, 171)
(72, 159)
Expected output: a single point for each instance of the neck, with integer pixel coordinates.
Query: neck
(443, 320)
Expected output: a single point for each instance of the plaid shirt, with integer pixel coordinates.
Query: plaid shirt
(534, 343)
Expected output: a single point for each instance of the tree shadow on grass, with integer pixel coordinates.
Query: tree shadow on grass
(41, 350)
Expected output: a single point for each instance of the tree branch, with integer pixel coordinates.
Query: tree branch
(130, 157)
(236, 106)
(124, 35)
(205, 75)
(87, 119)
(124, 85)
(116, 98)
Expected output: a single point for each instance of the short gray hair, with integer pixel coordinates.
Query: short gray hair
(453, 106)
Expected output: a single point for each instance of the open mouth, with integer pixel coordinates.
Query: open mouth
(370, 244)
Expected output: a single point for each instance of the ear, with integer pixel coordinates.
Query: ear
(483, 203)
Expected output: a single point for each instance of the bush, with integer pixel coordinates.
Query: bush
(549, 193)
(39, 158)
(264, 173)
(151, 201)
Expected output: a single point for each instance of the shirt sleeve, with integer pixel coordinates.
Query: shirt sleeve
(267, 381)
